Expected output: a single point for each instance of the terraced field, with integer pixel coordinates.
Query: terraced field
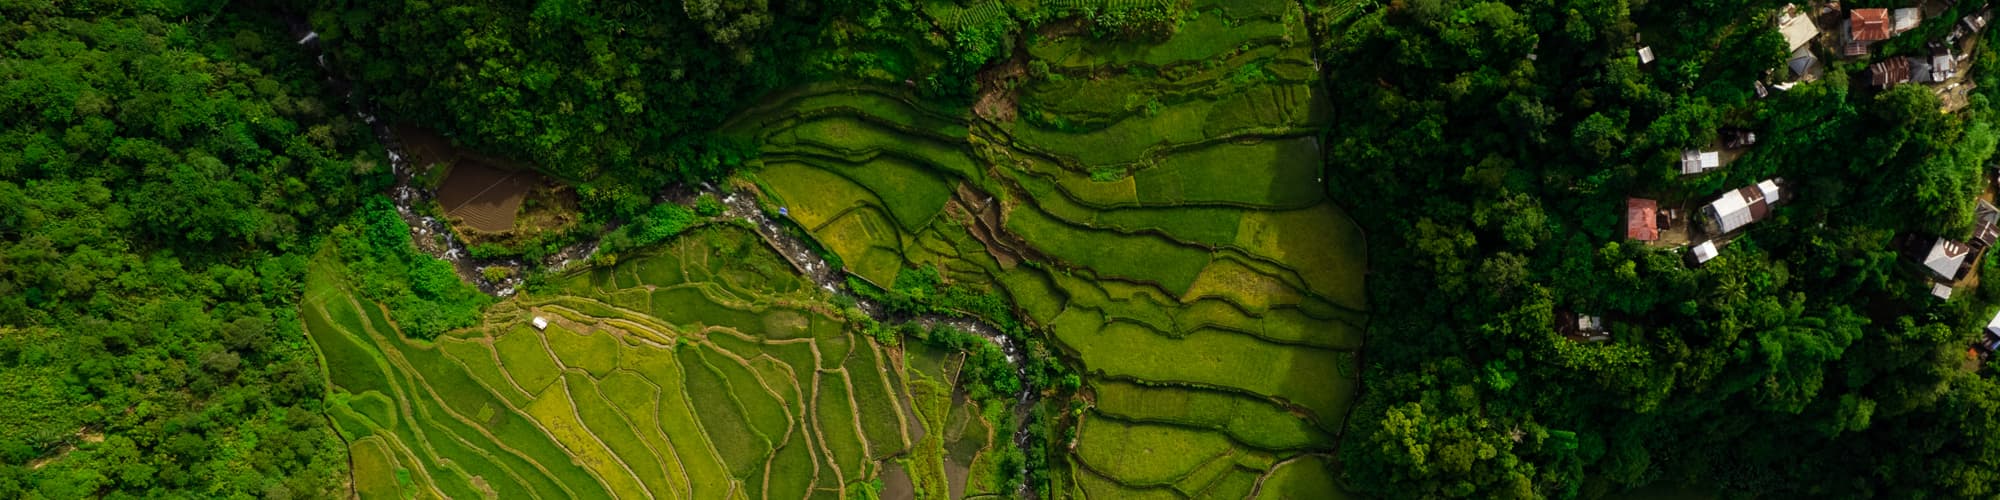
(705, 369)
(1155, 210)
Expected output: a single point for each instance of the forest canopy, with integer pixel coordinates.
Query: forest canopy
(168, 169)
(1807, 337)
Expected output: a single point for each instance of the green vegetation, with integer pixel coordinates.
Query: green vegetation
(1489, 148)
(618, 402)
(1159, 206)
(1171, 246)
(164, 168)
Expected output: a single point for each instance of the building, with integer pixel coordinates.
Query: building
(1969, 25)
(1985, 226)
(1901, 20)
(1993, 326)
(1947, 259)
(1642, 219)
(1737, 138)
(1645, 54)
(1581, 327)
(1868, 25)
(1861, 29)
(1802, 63)
(1740, 207)
(1695, 162)
(1941, 290)
(1889, 72)
(1703, 253)
(541, 323)
(1797, 27)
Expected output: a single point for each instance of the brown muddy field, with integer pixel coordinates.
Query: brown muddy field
(483, 197)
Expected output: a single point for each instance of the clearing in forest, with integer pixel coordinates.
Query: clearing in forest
(483, 197)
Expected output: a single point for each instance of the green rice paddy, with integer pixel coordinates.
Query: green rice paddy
(615, 402)
(1154, 214)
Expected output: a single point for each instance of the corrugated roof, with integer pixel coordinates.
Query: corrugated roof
(1889, 72)
(1906, 19)
(1642, 220)
(1797, 27)
(1706, 251)
(1868, 25)
(1945, 258)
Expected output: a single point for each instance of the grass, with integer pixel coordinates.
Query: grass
(525, 358)
(637, 400)
(1236, 483)
(912, 193)
(1311, 378)
(1251, 421)
(556, 413)
(1307, 477)
(376, 471)
(867, 242)
(351, 365)
(477, 360)
(1202, 175)
(1321, 243)
(376, 407)
(792, 471)
(1230, 279)
(881, 421)
(836, 421)
(1140, 454)
(610, 428)
(723, 422)
(765, 412)
(594, 352)
(691, 305)
(1143, 258)
(705, 468)
(1094, 485)
(660, 269)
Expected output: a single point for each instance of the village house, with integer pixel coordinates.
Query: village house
(1704, 252)
(1696, 162)
(1889, 72)
(1797, 27)
(1903, 20)
(1945, 261)
(540, 323)
(1864, 28)
(1642, 219)
(1581, 327)
(1968, 25)
(1740, 207)
(1737, 138)
(1988, 342)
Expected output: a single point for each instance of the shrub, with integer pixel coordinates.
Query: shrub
(707, 206)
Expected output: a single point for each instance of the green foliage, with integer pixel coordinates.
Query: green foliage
(1808, 337)
(707, 206)
(424, 293)
(658, 224)
(163, 168)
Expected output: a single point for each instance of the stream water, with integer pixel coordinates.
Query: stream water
(434, 237)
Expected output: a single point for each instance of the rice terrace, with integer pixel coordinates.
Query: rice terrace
(1144, 223)
(999, 249)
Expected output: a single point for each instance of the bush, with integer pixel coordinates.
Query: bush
(707, 206)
